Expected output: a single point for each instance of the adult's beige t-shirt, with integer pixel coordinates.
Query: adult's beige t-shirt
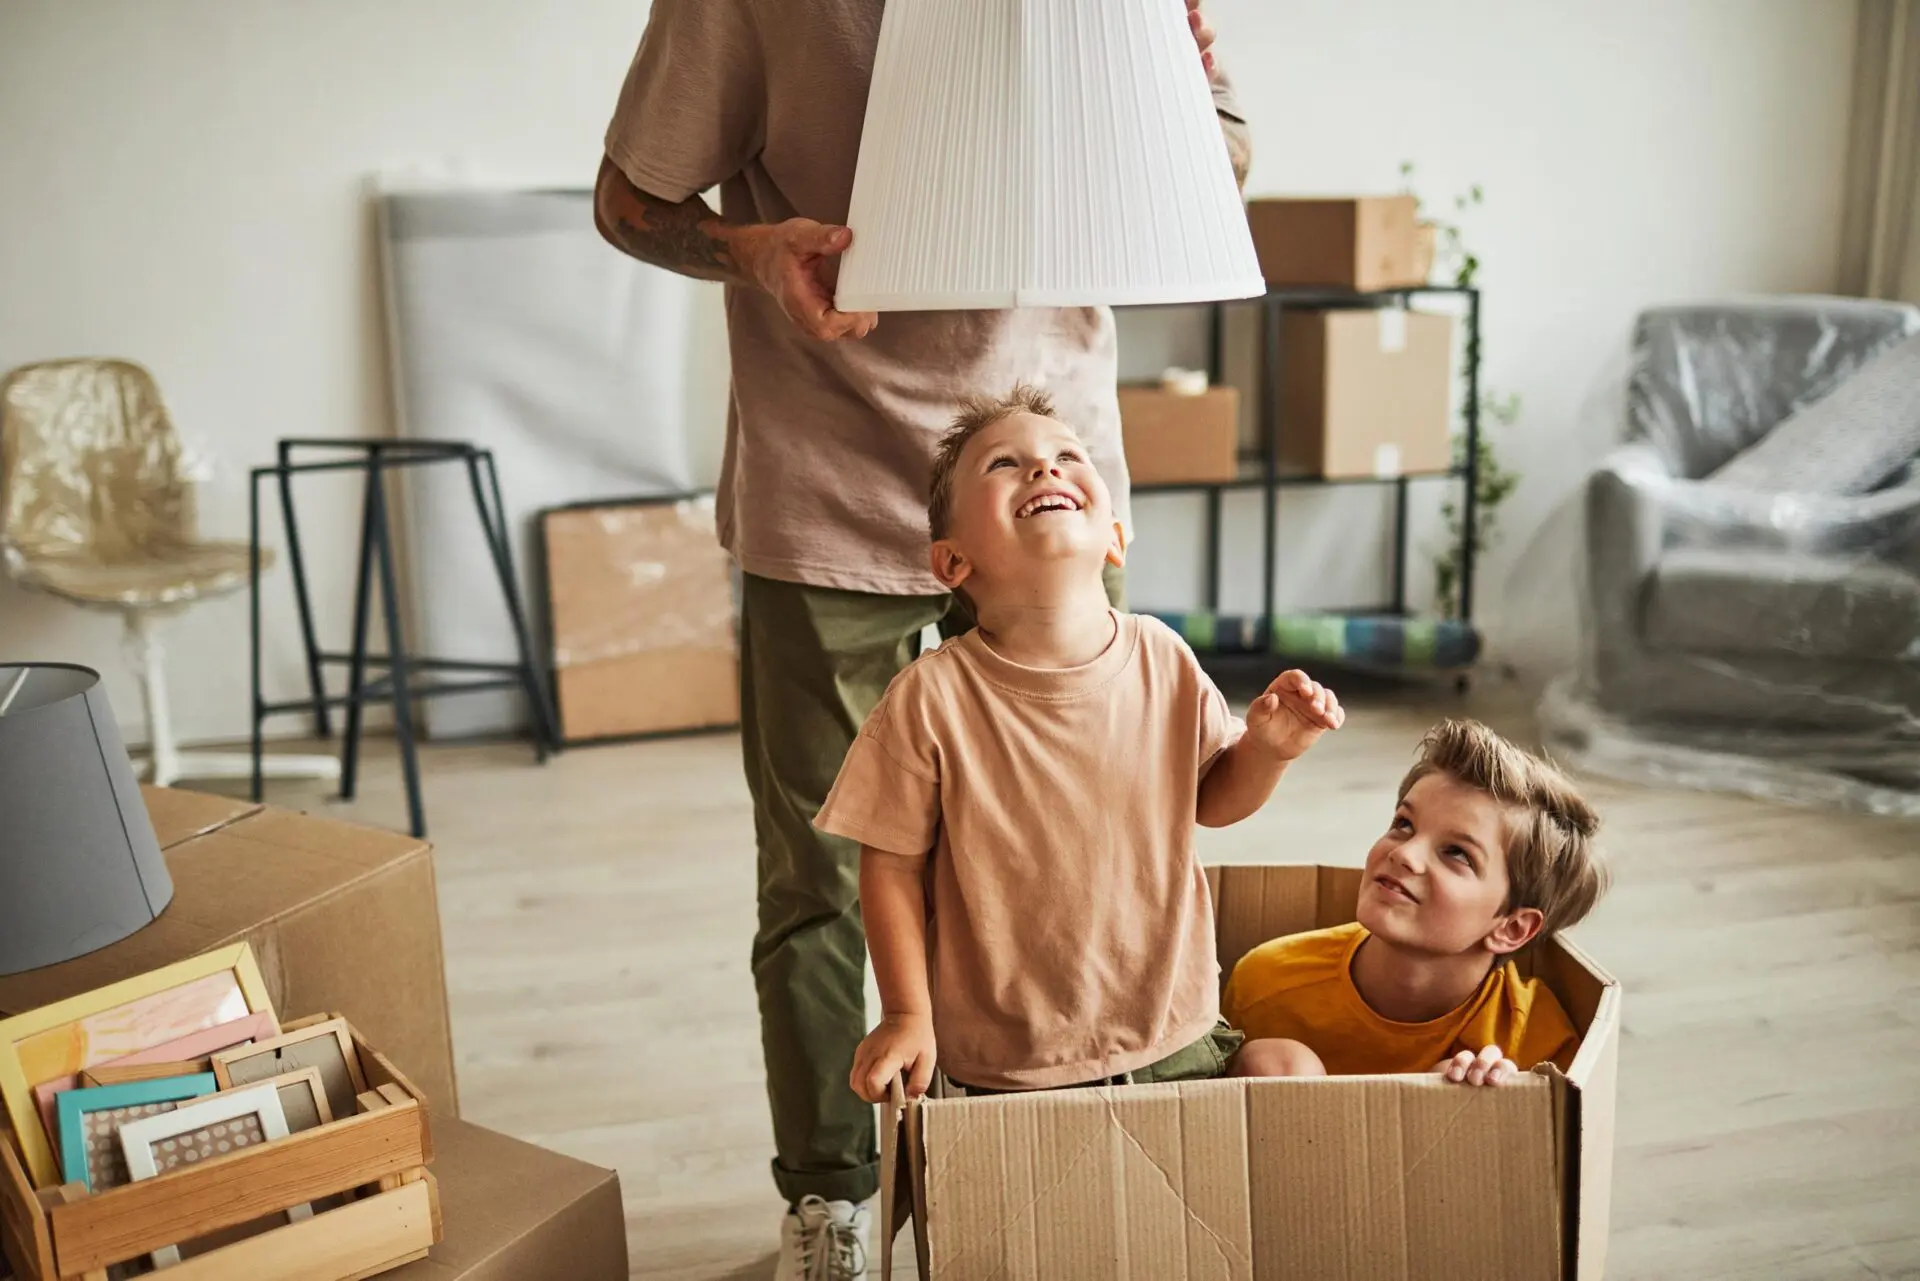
(829, 444)
(1070, 932)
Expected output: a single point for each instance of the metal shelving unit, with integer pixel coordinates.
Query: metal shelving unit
(1260, 471)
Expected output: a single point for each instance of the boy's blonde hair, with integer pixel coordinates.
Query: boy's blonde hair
(1553, 862)
(977, 413)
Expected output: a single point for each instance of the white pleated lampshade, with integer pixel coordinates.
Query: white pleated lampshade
(1042, 153)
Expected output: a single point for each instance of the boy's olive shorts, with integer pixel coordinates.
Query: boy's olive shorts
(1204, 1060)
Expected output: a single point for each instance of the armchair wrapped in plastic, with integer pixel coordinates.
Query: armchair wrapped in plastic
(1752, 594)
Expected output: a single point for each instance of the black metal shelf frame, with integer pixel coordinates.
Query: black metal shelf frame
(1269, 480)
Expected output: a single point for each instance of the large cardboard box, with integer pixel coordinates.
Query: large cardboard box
(1345, 1177)
(640, 603)
(340, 917)
(1365, 392)
(515, 1212)
(1172, 438)
(1361, 242)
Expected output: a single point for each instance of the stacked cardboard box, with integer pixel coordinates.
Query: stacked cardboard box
(346, 918)
(1365, 392)
(1174, 437)
(1362, 243)
(340, 917)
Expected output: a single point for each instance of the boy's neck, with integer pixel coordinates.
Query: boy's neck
(1065, 627)
(1416, 987)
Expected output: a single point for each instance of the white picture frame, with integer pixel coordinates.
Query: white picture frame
(138, 1139)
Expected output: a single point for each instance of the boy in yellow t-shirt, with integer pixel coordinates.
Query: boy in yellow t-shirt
(1490, 848)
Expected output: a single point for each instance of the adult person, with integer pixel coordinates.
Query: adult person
(822, 498)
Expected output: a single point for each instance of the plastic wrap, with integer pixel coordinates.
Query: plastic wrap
(642, 605)
(636, 577)
(1751, 587)
(97, 490)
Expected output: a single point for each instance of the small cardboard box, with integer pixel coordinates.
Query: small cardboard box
(1257, 1180)
(339, 917)
(1360, 242)
(1365, 392)
(514, 1212)
(1175, 439)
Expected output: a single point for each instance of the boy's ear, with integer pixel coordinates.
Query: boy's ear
(1117, 547)
(949, 564)
(1515, 930)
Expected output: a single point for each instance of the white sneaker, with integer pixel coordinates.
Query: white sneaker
(823, 1241)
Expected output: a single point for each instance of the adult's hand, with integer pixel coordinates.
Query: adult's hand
(796, 262)
(1202, 35)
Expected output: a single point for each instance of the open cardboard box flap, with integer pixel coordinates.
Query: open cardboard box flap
(1388, 1176)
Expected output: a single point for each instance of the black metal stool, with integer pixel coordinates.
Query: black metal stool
(378, 459)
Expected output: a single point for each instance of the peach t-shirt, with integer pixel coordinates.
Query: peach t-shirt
(1070, 933)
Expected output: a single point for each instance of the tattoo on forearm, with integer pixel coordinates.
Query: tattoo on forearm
(672, 236)
(1239, 148)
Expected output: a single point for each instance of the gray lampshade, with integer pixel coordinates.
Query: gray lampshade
(79, 865)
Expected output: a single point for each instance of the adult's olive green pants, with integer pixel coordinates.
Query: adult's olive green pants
(813, 662)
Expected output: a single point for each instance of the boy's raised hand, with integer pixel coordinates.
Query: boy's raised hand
(899, 1043)
(1489, 1067)
(1292, 715)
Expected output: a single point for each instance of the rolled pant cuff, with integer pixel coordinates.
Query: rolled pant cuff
(862, 1183)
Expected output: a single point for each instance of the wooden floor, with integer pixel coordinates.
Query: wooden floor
(598, 912)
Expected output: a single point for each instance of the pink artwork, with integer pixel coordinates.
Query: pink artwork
(194, 1045)
(128, 1029)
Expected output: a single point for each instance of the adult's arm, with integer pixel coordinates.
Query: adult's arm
(1232, 127)
(787, 259)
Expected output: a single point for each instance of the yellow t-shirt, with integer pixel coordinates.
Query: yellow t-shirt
(1301, 988)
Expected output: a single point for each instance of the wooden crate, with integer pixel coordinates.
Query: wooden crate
(376, 1159)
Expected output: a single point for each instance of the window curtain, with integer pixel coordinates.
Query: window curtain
(1880, 230)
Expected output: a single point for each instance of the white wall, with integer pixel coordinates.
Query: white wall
(183, 186)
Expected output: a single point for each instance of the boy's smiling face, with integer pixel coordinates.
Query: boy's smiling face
(1025, 495)
(1436, 882)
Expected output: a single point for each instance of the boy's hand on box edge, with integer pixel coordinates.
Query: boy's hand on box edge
(1293, 713)
(1489, 1067)
(899, 1043)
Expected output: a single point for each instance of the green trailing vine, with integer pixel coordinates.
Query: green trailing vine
(1494, 481)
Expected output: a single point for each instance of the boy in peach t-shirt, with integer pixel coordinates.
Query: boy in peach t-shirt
(1026, 795)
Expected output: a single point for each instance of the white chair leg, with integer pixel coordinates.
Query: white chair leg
(164, 750)
(166, 764)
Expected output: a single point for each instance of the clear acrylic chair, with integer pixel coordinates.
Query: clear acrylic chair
(97, 507)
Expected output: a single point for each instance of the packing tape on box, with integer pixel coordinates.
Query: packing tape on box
(1393, 329)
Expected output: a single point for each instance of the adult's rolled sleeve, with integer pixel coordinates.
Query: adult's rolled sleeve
(692, 112)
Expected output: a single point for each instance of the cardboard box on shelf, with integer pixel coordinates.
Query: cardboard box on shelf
(1173, 438)
(640, 597)
(1357, 242)
(340, 917)
(514, 1211)
(1251, 1180)
(1365, 392)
